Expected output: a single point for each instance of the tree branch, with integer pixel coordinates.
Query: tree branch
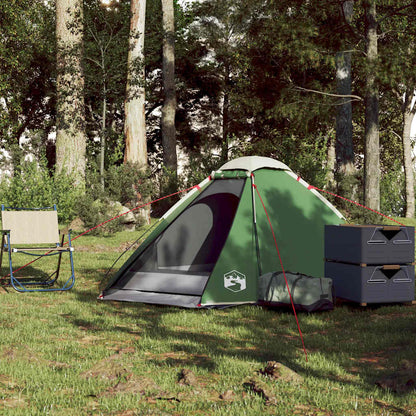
(353, 97)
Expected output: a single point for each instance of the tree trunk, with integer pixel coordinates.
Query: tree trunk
(330, 164)
(169, 104)
(344, 144)
(409, 112)
(70, 117)
(372, 148)
(103, 135)
(134, 124)
(225, 126)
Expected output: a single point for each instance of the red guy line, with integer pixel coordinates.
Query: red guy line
(358, 204)
(105, 222)
(283, 270)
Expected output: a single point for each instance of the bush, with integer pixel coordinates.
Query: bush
(392, 191)
(94, 212)
(125, 184)
(32, 186)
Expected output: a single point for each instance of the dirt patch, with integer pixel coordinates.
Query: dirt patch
(22, 353)
(7, 383)
(111, 368)
(377, 360)
(132, 384)
(10, 393)
(89, 339)
(17, 401)
(56, 365)
(392, 409)
(308, 410)
(128, 246)
(228, 396)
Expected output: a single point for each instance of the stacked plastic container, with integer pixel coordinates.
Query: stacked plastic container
(371, 263)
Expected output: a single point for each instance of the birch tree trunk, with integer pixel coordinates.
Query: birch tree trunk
(372, 147)
(134, 124)
(409, 111)
(70, 117)
(169, 104)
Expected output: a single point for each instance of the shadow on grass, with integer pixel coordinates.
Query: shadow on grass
(349, 345)
(33, 278)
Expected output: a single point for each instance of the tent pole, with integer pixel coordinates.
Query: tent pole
(256, 236)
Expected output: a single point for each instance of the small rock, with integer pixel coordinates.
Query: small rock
(127, 217)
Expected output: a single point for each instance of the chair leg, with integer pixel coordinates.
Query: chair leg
(1, 251)
(14, 282)
(3, 279)
(58, 266)
(71, 281)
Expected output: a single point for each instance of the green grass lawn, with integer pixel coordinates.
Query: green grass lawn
(68, 353)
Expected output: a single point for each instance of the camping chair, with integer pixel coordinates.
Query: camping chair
(34, 232)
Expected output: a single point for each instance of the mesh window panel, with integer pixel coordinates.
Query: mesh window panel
(194, 240)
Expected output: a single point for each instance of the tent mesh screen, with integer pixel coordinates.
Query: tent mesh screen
(193, 241)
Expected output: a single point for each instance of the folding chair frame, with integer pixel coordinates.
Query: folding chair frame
(32, 284)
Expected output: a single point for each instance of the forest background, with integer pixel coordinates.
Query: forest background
(98, 98)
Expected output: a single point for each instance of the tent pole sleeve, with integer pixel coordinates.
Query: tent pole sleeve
(256, 236)
(253, 196)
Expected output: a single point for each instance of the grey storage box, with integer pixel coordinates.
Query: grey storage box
(372, 284)
(370, 244)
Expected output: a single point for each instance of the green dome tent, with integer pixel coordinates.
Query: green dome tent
(211, 247)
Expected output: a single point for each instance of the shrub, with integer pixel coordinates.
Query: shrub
(392, 191)
(125, 184)
(94, 212)
(32, 186)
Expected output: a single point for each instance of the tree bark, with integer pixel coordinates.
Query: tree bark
(134, 124)
(330, 164)
(225, 126)
(169, 104)
(70, 118)
(372, 147)
(344, 144)
(103, 135)
(409, 112)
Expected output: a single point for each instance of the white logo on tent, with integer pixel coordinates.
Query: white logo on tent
(235, 281)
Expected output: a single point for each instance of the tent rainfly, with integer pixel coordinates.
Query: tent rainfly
(211, 247)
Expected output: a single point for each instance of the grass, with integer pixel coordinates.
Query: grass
(68, 353)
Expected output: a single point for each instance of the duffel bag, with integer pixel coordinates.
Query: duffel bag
(308, 293)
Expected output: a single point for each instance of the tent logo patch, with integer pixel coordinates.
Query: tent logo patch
(235, 281)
